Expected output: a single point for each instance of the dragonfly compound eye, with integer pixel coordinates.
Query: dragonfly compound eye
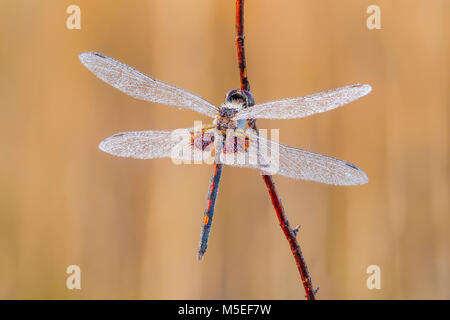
(250, 98)
(243, 96)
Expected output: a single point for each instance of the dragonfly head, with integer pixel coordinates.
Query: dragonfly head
(240, 96)
(235, 100)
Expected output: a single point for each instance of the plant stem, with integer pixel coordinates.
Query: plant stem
(291, 234)
(240, 37)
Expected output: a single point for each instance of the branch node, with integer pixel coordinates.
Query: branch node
(295, 231)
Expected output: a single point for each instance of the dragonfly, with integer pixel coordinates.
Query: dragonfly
(229, 134)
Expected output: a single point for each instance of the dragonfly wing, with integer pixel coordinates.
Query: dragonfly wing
(182, 144)
(138, 144)
(301, 164)
(305, 106)
(273, 158)
(141, 86)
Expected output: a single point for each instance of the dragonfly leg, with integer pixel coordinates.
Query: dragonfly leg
(209, 210)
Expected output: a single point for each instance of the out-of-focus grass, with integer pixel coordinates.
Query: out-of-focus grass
(133, 226)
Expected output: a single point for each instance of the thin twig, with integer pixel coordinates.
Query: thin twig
(291, 237)
(240, 37)
(290, 233)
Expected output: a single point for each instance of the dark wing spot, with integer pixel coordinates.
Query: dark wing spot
(118, 135)
(351, 165)
(99, 55)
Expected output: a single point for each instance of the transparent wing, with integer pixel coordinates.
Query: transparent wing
(138, 144)
(193, 144)
(305, 106)
(274, 158)
(241, 149)
(141, 86)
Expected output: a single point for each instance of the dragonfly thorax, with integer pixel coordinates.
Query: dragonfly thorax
(224, 119)
(235, 101)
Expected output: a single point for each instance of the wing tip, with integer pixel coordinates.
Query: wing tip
(85, 56)
(359, 176)
(363, 88)
(102, 145)
(364, 179)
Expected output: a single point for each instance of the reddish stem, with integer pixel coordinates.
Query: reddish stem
(245, 85)
(291, 235)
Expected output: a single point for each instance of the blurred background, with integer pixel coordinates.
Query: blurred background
(133, 226)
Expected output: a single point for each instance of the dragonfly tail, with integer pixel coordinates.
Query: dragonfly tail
(209, 210)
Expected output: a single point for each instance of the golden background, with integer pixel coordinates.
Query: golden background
(133, 226)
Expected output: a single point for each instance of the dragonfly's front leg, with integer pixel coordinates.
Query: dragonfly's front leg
(209, 210)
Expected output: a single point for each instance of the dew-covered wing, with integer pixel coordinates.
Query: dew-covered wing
(273, 158)
(189, 145)
(305, 106)
(141, 86)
